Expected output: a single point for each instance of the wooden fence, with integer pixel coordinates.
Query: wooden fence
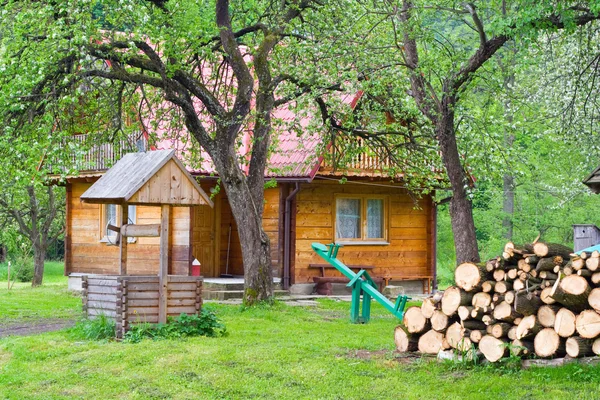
(134, 299)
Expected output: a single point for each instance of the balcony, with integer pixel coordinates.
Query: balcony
(353, 157)
(88, 156)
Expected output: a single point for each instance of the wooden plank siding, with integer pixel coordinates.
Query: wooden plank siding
(89, 255)
(410, 234)
(270, 225)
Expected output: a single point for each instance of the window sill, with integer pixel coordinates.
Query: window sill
(363, 243)
(113, 240)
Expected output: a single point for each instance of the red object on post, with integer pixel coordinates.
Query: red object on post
(196, 267)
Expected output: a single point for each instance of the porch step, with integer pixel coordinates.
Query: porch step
(229, 286)
(219, 287)
(234, 294)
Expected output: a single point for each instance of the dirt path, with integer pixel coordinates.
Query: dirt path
(18, 327)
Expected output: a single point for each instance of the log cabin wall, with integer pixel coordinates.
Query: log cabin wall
(89, 255)
(270, 225)
(410, 236)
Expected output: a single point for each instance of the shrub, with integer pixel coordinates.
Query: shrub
(21, 269)
(25, 270)
(205, 324)
(99, 328)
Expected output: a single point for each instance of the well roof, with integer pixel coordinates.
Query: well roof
(135, 171)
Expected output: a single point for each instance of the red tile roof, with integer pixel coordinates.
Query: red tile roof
(296, 152)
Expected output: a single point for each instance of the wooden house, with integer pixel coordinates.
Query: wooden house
(383, 228)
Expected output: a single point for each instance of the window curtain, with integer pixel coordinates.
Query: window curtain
(132, 214)
(348, 219)
(374, 219)
(110, 217)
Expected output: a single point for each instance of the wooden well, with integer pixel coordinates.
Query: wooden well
(135, 299)
(155, 178)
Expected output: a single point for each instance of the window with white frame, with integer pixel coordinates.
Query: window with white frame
(360, 218)
(110, 214)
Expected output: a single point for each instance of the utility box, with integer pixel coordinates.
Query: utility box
(585, 236)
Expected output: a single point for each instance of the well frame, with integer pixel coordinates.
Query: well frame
(130, 300)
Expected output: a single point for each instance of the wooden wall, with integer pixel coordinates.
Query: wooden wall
(270, 224)
(410, 234)
(89, 255)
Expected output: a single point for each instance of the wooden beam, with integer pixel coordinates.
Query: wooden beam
(164, 264)
(131, 230)
(68, 230)
(123, 243)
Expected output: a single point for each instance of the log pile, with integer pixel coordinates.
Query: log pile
(536, 300)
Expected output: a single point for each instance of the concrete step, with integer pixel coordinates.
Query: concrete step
(219, 287)
(233, 294)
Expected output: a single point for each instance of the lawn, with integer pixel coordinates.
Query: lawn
(283, 352)
(52, 300)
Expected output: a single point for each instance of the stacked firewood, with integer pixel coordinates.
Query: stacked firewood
(539, 299)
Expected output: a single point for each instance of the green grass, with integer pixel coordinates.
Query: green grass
(282, 352)
(52, 300)
(53, 274)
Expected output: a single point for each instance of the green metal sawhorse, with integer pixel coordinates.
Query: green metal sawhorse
(361, 284)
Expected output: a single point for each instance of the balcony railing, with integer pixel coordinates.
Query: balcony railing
(88, 156)
(359, 160)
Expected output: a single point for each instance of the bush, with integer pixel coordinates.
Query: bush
(99, 328)
(26, 270)
(205, 324)
(21, 269)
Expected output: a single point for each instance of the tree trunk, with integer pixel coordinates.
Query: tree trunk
(508, 194)
(247, 208)
(454, 298)
(461, 212)
(505, 312)
(522, 348)
(439, 321)
(39, 257)
(573, 292)
(470, 276)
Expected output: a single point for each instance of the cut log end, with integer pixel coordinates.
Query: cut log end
(453, 298)
(431, 342)
(404, 341)
(469, 276)
(492, 348)
(414, 320)
(579, 347)
(547, 343)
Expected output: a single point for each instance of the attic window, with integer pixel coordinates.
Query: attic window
(360, 219)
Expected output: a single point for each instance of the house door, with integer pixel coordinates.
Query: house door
(204, 239)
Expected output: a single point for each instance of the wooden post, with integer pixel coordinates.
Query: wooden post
(123, 241)
(164, 264)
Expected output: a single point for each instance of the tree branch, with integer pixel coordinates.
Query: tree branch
(470, 7)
